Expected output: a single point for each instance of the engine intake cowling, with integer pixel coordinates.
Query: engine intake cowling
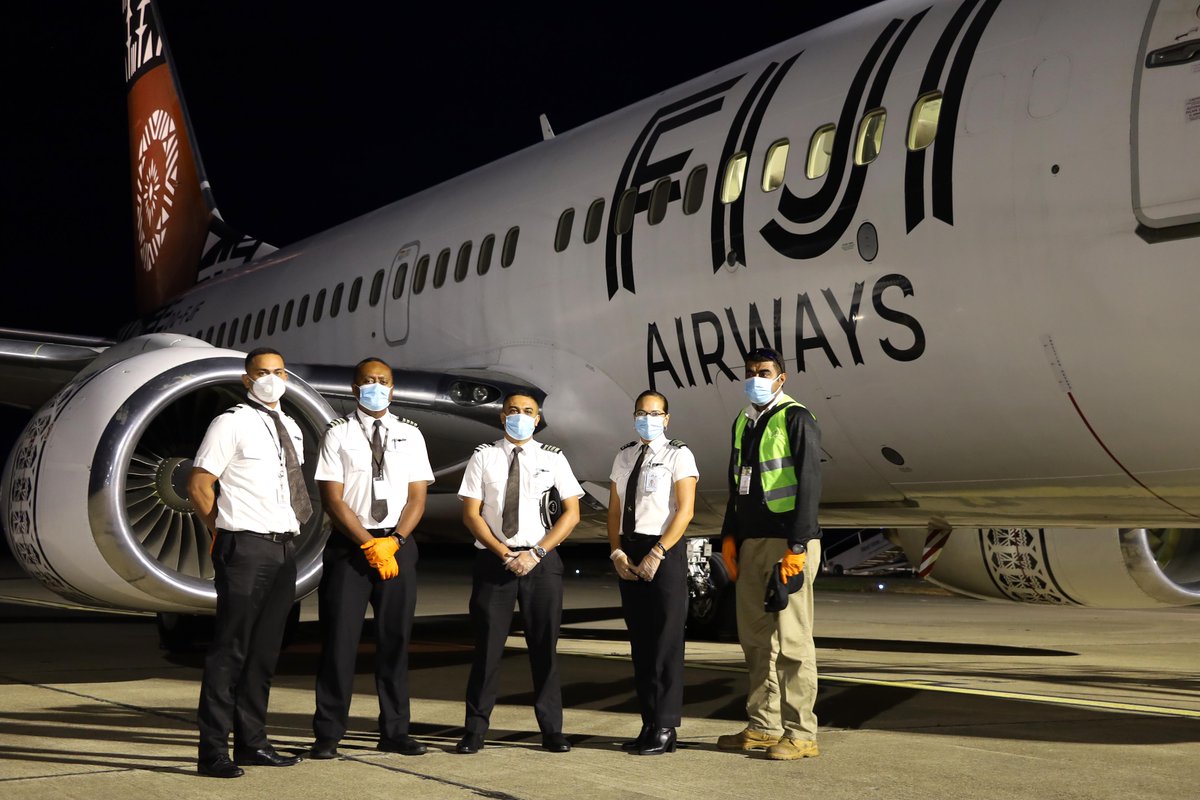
(95, 497)
(1099, 568)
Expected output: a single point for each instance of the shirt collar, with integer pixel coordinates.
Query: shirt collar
(656, 444)
(508, 446)
(753, 413)
(250, 396)
(367, 421)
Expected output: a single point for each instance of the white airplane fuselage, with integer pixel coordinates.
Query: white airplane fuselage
(1014, 353)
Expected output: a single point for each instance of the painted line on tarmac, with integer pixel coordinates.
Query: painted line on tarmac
(929, 686)
(127, 706)
(491, 794)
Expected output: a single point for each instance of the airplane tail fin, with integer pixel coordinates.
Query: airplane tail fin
(181, 237)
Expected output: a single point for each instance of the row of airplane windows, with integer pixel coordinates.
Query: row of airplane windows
(922, 129)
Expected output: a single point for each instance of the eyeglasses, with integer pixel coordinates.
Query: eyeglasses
(655, 414)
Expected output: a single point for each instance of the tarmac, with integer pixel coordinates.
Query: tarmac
(922, 695)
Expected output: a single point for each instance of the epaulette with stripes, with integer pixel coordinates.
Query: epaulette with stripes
(551, 448)
(232, 409)
(677, 443)
(627, 446)
(408, 421)
(333, 423)
(484, 446)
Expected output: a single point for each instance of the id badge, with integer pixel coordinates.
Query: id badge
(744, 482)
(281, 496)
(650, 481)
(380, 488)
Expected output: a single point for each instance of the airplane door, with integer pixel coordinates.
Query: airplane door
(395, 314)
(1166, 117)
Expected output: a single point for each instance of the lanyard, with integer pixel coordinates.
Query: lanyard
(378, 464)
(274, 435)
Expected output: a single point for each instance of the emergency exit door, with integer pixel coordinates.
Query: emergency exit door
(395, 315)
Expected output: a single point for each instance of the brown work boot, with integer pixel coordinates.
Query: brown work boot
(746, 740)
(789, 749)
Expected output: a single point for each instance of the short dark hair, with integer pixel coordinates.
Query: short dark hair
(511, 395)
(761, 355)
(370, 360)
(652, 393)
(260, 351)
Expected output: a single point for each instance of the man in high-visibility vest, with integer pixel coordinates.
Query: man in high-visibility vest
(771, 537)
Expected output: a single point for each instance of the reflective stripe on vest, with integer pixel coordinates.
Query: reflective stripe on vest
(776, 464)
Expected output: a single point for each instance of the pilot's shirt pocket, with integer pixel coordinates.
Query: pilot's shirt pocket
(358, 460)
(536, 482)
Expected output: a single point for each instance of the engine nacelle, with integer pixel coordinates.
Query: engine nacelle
(1099, 568)
(95, 497)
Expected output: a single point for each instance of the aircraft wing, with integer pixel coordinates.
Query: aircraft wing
(36, 364)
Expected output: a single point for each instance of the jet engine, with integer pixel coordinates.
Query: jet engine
(1099, 568)
(95, 500)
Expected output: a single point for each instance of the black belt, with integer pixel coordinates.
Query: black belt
(639, 537)
(278, 538)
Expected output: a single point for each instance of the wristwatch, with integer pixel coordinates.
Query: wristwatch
(798, 548)
(539, 551)
(400, 540)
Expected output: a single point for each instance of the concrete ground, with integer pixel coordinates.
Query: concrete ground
(922, 696)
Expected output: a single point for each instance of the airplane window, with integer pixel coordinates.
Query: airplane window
(562, 236)
(302, 314)
(245, 329)
(419, 274)
(693, 194)
(626, 207)
(271, 322)
(591, 225)
(233, 332)
(509, 252)
(258, 323)
(208, 335)
(439, 270)
(355, 291)
(287, 314)
(922, 125)
(660, 195)
(463, 264)
(376, 288)
(319, 306)
(735, 177)
(398, 283)
(335, 302)
(820, 152)
(484, 262)
(870, 137)
(775, 165)
(221, 334)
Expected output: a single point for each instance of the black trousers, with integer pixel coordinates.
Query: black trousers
(655, 614)
(348, 583)
(494, 593)
(256, 587)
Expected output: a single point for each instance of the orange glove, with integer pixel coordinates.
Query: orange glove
(792, 564)
(389, 568)
(729, 556)
(378, 551)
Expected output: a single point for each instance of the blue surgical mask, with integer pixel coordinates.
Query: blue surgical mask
(374, 396)
(759, 390)
(519, 426)
(649, 427)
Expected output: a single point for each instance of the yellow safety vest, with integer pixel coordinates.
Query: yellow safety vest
(776, 464)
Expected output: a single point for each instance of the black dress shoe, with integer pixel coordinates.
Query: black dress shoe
(639, 742)
(555, 743)
(660, 740)
(219, 767)
(263, 757)
(324, 749)
(471, 743)
(405, 746)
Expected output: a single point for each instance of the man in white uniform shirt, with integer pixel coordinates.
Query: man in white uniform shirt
(516, 560)
(255, 451)
(373, 474)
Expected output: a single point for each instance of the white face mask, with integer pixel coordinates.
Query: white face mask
(269, 388)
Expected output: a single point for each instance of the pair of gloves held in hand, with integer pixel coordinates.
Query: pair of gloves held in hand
(645, 571)
(791, 565)
(381, 555)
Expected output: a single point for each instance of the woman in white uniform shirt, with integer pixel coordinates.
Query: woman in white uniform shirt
(651, 499)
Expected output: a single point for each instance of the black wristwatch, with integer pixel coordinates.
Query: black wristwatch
(400, 540)
(539, 551)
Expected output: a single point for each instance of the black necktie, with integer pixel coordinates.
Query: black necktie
(379, 506)
(296, 488)
(509, 521)
(628, 522)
